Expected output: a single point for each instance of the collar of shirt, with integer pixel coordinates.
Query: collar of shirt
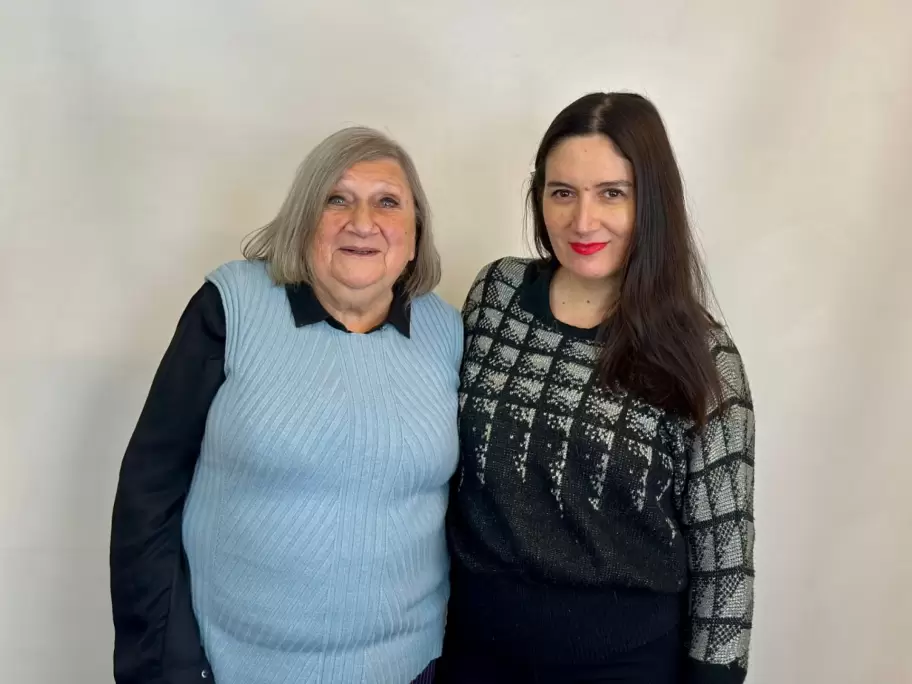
(535, 297)
(307, 310)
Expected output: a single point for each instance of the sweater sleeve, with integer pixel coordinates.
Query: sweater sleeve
(719, 527)
(156, 638)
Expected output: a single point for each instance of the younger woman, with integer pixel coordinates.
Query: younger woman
(601, 524)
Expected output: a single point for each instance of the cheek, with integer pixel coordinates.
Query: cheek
(325, 228)
(328, 228)
(626, 221)
(625, 215)
(619, 220)
(556, 217)
(324, 238)
(399, 233)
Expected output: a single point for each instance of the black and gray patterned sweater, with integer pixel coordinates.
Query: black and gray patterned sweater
(585, 521)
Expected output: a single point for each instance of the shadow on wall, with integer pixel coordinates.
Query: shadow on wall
(99, 417)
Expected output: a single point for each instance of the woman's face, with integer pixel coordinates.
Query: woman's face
(366, 235)
(589, 206)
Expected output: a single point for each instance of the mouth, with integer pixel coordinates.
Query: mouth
(587, 247)
(359, 251)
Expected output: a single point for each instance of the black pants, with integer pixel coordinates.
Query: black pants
(658, 662)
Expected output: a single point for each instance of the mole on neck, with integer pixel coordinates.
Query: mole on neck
(580, 302)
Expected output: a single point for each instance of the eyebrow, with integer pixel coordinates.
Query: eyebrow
(603, 184)
(381, 186)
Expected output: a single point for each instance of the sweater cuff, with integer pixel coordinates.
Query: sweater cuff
(698, 672)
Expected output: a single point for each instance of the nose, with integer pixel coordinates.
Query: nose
(585, 220)
(362, 220)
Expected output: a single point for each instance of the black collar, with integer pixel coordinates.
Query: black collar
(535, 298)
(307, 310)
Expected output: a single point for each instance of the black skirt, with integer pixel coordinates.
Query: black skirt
(657, 662)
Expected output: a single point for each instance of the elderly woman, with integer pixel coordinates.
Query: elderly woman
(280, 510)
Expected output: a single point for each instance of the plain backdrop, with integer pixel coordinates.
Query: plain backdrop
(140, 141)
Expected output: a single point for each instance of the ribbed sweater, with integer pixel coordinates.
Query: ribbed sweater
(314, 525)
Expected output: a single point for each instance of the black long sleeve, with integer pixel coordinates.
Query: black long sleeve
(157, 638)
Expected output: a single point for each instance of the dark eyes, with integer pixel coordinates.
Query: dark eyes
(610, 193)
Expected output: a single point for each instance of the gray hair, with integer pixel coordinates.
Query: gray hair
(284, 243)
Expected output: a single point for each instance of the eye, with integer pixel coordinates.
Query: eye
(336, 200)
(389, 202)
(614, 193)
(562, 193)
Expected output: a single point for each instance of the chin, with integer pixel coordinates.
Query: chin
(361, 283)
(361, 277)
(591, 270)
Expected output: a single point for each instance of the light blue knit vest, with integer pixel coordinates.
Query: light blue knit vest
(315, 522)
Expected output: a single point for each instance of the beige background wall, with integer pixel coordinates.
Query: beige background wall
(139, 141)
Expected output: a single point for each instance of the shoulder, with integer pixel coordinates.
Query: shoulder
(729, 364)
(246, 290)
(721, 344)
(439, 325)
(508, 271)
(240, 273)
(431, 309)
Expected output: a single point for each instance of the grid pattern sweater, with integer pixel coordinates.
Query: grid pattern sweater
(314, 527)
(577, 507)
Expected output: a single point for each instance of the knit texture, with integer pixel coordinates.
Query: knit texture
(565, 484)
(314, 527)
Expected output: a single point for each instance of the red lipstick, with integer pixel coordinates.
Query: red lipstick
(587, 247)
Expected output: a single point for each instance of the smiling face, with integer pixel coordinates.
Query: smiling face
(589, 206)
(366, 235)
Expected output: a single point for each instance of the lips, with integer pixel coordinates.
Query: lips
(359, 251)
(586, 248)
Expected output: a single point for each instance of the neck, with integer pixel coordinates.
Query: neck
(358, 311)
(581, 302)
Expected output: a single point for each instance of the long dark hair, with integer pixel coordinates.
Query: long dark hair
(656, 335)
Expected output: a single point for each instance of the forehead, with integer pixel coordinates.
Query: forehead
(375, 172)
(587, 159)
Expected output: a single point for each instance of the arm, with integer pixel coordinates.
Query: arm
(156, 638)
(719, 526)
